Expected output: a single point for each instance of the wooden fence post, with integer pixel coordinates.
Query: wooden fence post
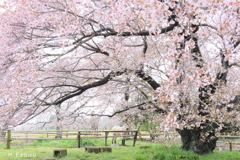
(79, 138)
(8, 139)
(106, 134)
(135, 138)
(230, 144)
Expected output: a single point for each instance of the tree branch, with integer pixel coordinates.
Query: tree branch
(139, 106)
(81, 89)
(148, 79)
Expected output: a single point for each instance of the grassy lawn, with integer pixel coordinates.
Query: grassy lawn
(44, 148)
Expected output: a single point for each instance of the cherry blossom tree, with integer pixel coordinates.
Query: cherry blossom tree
(96, 55)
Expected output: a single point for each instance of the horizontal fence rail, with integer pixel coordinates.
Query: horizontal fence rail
(229, 139)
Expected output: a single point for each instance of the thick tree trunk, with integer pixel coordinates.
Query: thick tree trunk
(192, 140)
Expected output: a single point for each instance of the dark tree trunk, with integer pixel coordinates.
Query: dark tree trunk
(192, 140)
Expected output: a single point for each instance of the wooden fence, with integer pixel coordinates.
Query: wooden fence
(229, 140)
(68, 135)
(89, 134)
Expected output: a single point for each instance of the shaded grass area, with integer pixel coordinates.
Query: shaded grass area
(44, 148)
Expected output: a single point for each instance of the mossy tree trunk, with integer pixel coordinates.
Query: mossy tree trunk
(192, 139)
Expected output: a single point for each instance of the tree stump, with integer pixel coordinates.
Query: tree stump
(98, 149)
(187, 157)
(93, 149)
(106, 149)
(145, 147)
(59, 152)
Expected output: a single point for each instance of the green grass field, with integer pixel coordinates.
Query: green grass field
(44, 149)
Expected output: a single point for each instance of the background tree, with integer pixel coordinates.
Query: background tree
(139, 118)
(75, 53)
(94, 122)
